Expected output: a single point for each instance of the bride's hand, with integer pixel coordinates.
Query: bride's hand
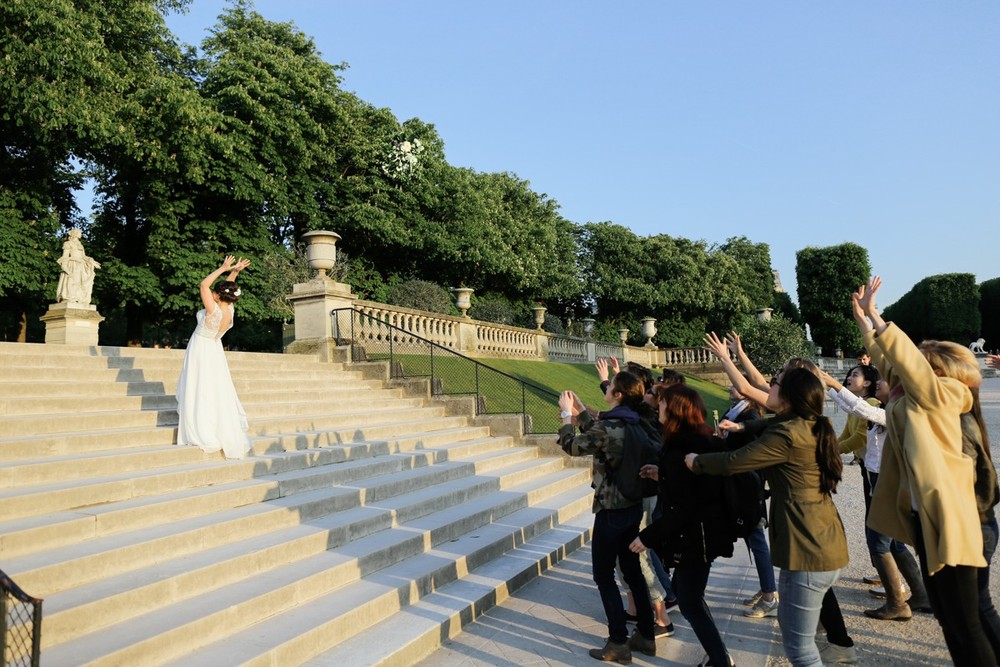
(228, 263)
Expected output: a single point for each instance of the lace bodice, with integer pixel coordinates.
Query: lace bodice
(208, 324)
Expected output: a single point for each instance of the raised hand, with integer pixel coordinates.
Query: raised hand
(717, 346)
(602, 369)
(241, 264)
(829, 380)
(566, 401)
(615, 367)
(228, 263)
(867, 295)
(734, 343)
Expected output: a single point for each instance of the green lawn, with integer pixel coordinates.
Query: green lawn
(503, 394)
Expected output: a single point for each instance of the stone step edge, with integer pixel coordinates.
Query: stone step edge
(298, 626)
(421, 628)
(159, 642)
(446, 523)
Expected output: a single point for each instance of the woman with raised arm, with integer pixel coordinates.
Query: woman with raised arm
(690, 531)
(926, 491)
(209, 412)
(798, 455)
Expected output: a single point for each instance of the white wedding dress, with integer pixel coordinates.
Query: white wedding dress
(209, 412)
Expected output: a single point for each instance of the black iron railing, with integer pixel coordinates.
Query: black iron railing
(20, 625)
(450, 373)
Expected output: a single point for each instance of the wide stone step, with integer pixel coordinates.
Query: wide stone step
(61, 444)
(252, 374)
(154, 637)
(424, 626)
(294, 497)
(28, 535)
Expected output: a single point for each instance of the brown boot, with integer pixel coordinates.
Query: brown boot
(613, 652)
(641, 644)
(908, 567)
(895, 607)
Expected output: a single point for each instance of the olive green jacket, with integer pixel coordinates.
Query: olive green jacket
(805, 529)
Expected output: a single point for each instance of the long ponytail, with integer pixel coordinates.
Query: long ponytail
(803, 393)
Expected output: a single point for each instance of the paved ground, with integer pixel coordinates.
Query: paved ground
(555, 619)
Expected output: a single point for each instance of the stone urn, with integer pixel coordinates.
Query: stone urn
(588, 326)
(623, 334)
(463, 299)
(764, 314)
(539, 312)
(321, 251)
(649, 330)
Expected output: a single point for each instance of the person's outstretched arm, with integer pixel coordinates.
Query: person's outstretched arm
(736, 347)
(721, 351)
(206, 284)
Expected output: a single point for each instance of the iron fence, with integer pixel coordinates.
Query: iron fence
(20, 625)
(450, 373)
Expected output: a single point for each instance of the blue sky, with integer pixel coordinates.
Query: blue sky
(792, 123)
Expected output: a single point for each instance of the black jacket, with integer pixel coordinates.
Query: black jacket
(692, 523)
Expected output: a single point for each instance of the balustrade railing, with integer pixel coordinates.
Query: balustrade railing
(409, 355)
(499, 341)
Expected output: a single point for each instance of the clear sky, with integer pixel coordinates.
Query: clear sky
(792, 123)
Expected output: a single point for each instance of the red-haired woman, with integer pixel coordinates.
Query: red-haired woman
(691, 531)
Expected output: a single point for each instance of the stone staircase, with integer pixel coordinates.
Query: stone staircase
(370, 523)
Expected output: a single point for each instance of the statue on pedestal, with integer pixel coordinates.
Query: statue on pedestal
(77, 279)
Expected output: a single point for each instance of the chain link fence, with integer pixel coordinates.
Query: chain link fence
(20, 625)
(450, 373)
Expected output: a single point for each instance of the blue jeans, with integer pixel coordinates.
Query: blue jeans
(801, 599)
(757, 543)
(877, 542)
(614, 530)
(690, 581)
(987, 612)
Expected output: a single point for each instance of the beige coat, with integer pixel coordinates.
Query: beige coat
(805, 531)
(922, 461)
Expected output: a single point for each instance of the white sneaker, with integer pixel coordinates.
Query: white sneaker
(763, 609)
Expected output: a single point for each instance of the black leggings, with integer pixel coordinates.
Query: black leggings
(954, 594)
(833, 621)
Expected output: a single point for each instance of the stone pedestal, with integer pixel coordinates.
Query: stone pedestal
(71, 324)
(313, 303)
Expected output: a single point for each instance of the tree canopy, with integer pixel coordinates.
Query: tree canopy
(826, 279)
(242, 144)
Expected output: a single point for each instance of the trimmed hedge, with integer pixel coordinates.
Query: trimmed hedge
(989, 312)
(943, 307)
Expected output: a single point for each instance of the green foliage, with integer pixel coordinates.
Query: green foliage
(422, 295)
(989, 311)
(686, 285)
(942, 307)
(784, 306)
(770, 343)
(494, 307)
(553, 325)
(826, 279)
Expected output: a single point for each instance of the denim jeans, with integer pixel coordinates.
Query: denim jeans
(954, 594)
(757, 543)
(987, 612)
(801, 599)
(614, 530)
(690, 581)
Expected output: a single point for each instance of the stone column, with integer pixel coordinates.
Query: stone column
(314, 302)
(71, 324)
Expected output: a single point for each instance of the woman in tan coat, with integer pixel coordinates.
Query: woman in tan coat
(925, 495)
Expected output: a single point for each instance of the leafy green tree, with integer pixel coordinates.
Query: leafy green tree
(826, 279)
(770, 343)
(944, 307)
(784, 306)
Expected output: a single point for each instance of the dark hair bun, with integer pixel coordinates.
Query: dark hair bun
(228, 291)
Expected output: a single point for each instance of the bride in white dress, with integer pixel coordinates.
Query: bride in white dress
(209, 412)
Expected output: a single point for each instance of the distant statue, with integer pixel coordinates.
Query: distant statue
(977, 347)
(77, 279)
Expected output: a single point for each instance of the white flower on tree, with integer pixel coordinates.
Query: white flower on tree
(404, 158)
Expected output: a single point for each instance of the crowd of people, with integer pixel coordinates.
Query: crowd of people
(916, 430)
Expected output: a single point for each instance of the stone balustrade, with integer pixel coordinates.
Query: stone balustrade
(474, 338)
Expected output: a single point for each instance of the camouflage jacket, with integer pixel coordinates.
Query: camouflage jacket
(605, 440)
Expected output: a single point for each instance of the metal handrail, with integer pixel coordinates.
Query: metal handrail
(438, 387)
(12, 636)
